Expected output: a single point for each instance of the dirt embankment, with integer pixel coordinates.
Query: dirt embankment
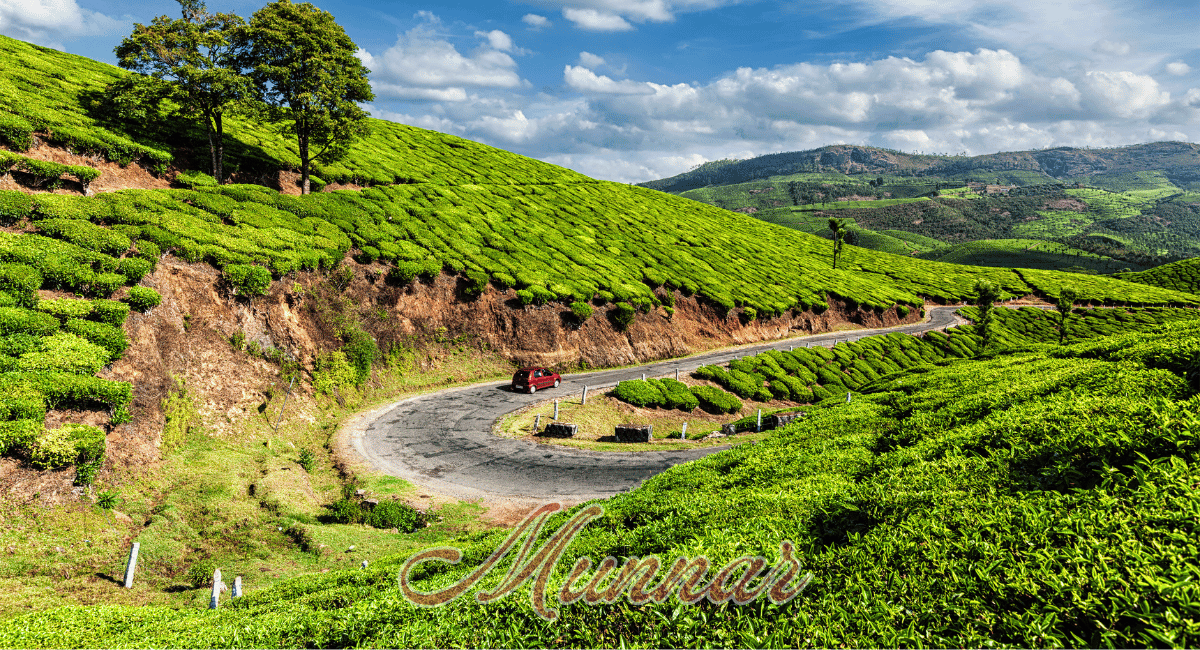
(188, 336)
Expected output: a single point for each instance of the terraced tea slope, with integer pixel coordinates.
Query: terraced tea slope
(1041, 498)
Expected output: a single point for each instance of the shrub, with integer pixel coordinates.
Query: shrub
(143, 298)
(66, 353)
(14, 206)
(89, 443)
(360, 351)
(21, 282)
(104, 284)
(394, 514)
(18, 434)
(715, 400)
(14, 320)
(901, 311)
(52, 448)
(332, 372)
(639, 393)
(749, 314)
(477, 282)
(677, 395)
(86, 235)
(106, 336)
(248, 280)
(403, 273)
(307, 460)
(66, 308)
(581, 311)
(195, 178)
(109, 311)
(622, 315)
(200, 574)
(134, 268)
(16, 132)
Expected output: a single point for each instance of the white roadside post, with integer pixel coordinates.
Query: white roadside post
(214, 599)
(683, 432)
(536, 422)
(131, 565)
(237, 586)
(758, 427)
(556, 410)
(584, 399)
(677, 374)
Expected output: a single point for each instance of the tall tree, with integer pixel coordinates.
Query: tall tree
(192, 61)
(839, 238)
(305, 71)
(1064, 304)
(986, 295)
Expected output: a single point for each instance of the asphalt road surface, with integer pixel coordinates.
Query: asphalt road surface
(443, 441)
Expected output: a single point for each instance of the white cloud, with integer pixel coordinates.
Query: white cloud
(424, 66)
(596, 21)
(1178, 68)
(50, 22)
(583, 80)
(535, 21)
(497, 39)
(589, 60)
(1123, 94)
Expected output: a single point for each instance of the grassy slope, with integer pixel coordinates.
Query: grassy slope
(1042, 497)
(1178, 276)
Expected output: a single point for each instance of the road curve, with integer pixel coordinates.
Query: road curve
(442, 441)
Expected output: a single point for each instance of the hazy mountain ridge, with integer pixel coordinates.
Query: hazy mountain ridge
(1180, 161)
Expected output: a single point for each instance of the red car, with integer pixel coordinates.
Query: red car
(531, 379)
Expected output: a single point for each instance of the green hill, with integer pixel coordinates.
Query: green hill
(1040, 497)
(1183, 276)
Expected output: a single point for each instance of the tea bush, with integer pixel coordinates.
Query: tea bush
(143, 298)
(639, 393)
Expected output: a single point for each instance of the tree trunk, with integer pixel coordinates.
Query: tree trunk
(212, 145)
(303, 142)
(220, 157)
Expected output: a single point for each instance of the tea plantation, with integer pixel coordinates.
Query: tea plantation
(1183, 276)
(814, 374)
(1042, 497)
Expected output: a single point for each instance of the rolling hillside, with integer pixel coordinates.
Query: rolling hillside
(969, 499)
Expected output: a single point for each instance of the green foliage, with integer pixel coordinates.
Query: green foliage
(247, 280)
(640, 393)
(304, 69)
(53, 448)
(333, 372)
(14, 320)
(622, 315)
(193, 179)
(142, 299)
(14, 205)
(200, 573)
(18, 434)
(1182, 276)
(388, 513)
(581, 311)
(63, 352)
(109, 311)
(360, 352)
(715, 400)
(102, 334)
(307, 460)
(21, 282)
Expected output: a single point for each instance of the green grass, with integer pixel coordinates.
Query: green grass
(1025, 253)
(1042, 497)
(1177, 276)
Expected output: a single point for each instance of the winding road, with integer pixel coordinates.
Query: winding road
(443, 442)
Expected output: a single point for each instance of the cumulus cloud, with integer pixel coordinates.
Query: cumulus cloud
(422, 65)
(589, 60)
(1178, 68)
(975, 102)
(535, 21)
(581, 79)
(596, 21)
(50, 22)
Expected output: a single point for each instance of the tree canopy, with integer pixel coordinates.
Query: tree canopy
(304, 70)
(193, 62)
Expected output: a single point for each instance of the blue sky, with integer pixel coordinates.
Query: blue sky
(632, 90)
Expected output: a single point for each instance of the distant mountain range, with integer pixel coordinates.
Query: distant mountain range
(1179, 161)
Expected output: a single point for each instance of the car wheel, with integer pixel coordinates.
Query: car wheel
(532, 389)
(557, 382)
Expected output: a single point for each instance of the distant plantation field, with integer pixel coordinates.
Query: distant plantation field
(1178, 276)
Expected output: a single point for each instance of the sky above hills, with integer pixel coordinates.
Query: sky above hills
(633, 90)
